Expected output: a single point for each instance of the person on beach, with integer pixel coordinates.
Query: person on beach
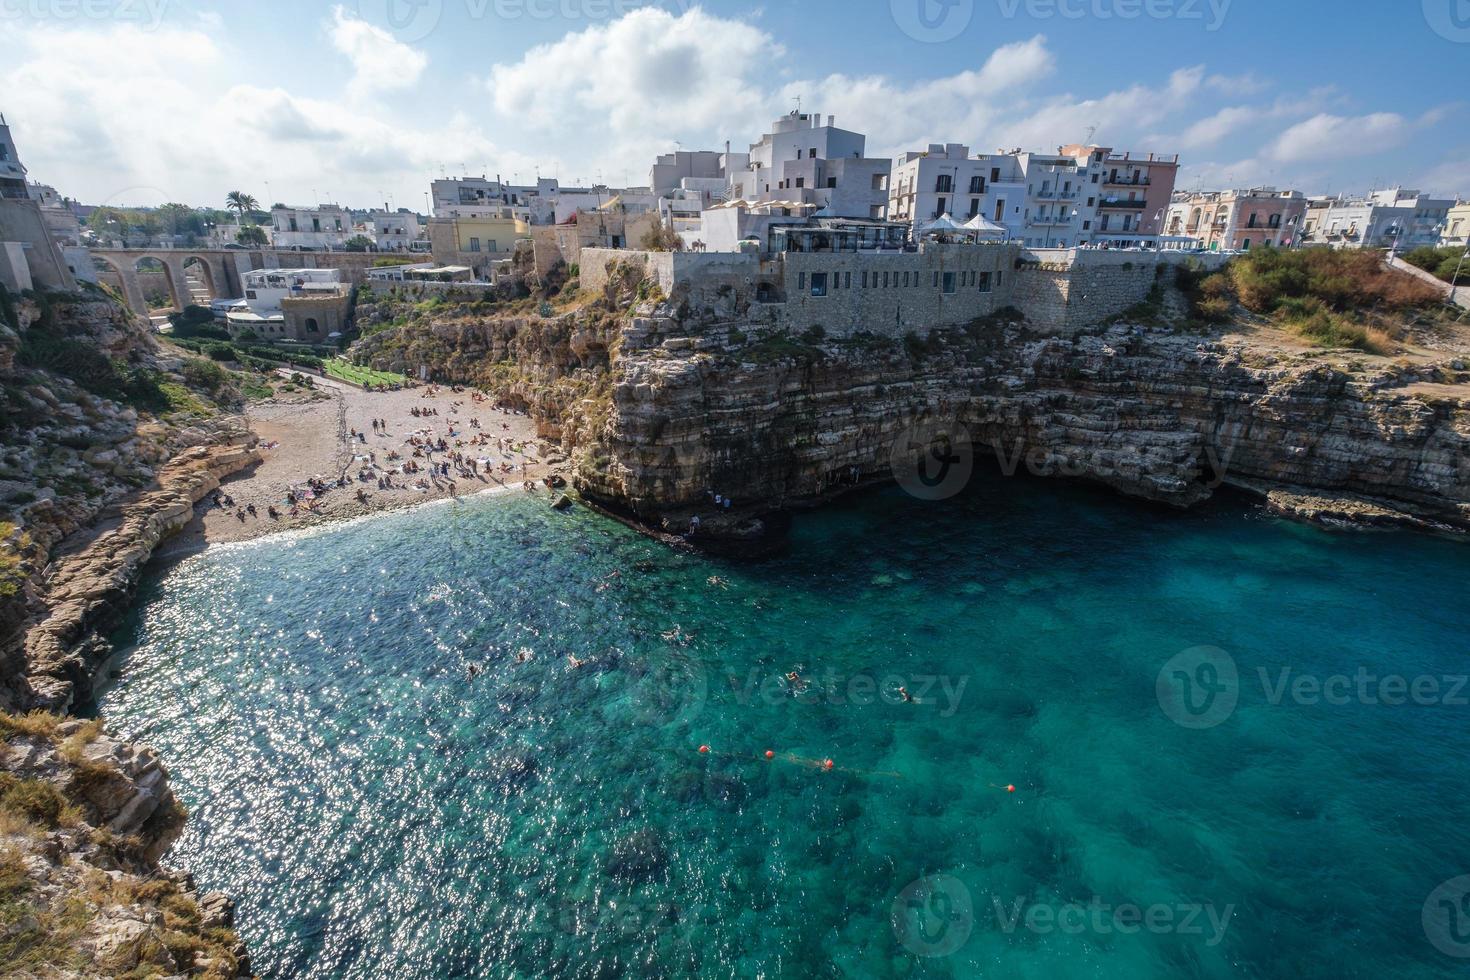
(275, 515)
(250, 509)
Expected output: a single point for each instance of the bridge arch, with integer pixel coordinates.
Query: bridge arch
(158, 282)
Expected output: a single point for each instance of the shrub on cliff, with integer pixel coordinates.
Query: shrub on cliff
(1343, 280)
(1442, 263)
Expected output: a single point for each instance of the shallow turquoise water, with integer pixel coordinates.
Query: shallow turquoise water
(376, 814)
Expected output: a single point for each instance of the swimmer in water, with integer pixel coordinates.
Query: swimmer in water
(903, 692)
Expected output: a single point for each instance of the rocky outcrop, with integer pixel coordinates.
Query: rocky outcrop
(87, 591)
(676, 405)
(84, 818)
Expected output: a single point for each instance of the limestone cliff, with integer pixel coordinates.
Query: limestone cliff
(677, 403)
(84, 818)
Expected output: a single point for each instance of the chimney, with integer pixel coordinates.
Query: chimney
(831, 120)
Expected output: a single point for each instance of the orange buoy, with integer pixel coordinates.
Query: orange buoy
(1010, 787)
(826, 763)
(770, 754)
(704, 748)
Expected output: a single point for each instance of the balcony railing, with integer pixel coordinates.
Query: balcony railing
(1126, 181)
(1106, 203)
(1048, 221)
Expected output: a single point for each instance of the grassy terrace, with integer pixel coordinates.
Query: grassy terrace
(354, 374)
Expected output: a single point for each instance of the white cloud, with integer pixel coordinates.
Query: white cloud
(378, 61)
(1327, 135)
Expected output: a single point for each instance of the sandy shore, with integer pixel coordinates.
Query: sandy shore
(312, 438)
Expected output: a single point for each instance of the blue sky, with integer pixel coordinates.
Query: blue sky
(364, 101)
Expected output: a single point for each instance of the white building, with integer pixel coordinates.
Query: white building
(1457, 226)
(1391, 218)
(946, 179)
(394, 231)
(803, 161)
(324, 227)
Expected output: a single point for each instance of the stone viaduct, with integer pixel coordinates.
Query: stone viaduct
(221, 270)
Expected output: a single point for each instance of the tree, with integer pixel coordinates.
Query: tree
(252, 235)
(357, 243)
(661, 238)
(240, 203)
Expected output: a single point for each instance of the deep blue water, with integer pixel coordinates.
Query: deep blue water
(379, 815)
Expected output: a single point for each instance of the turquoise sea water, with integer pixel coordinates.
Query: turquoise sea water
(378, 815)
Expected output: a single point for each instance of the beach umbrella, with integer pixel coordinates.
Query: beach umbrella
(943, 223)
(982, 225)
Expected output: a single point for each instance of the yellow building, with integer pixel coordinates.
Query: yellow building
(475, 241)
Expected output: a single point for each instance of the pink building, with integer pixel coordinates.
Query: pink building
(1237, 220)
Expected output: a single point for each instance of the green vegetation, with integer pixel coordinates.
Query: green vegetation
(1441, 263)
(196, 321)
(1327, 297)
(661, 238)
(357, 243)
(253, 236)
(388, 260)
(91, 369)
(356, 374)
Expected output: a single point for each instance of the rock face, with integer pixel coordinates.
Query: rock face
(87, 591)
(1150, 413)
(694, 404)
(86, 818)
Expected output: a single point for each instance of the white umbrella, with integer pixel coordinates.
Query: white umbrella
(982, 225)
(943, 223)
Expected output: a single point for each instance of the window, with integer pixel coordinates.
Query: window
(985, 282)
(1246, 245)
(997, 277)
(812, 153)
(847, 280)
(1275, 221)
(801, 182)
(865, 279)
(949, 282)
(974, 206)
(939, 206)
(819, 284)
(474, 245)
(490, 246)
(1086, 225)
(885, 280)
(831, 181)
(316, 224)
(994, 174)
(1090, 201)
(977, 184)
(311, 325)
(801, 280)
(293, 224)
(1094, 178)
(905, 278)
(936, 277)
(944, 184)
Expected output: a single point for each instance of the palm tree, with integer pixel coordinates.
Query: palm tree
(240, 203)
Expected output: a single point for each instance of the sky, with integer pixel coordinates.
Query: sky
(363, 102)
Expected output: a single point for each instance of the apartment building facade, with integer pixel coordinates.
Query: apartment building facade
(806, 162)
(1238, 220)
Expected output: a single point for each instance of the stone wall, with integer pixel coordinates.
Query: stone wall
(890, 294)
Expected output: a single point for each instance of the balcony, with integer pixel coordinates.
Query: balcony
(1049, 221)
(1125, 181)
(1117, 203)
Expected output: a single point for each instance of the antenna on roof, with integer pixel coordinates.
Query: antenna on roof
(797, 110)
(1088, 140)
